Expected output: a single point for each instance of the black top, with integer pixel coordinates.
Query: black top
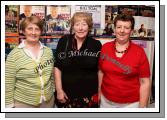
(79, 67)
(22, 16)
(48, 17)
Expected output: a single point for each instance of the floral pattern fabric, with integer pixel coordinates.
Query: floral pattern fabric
(85, 102)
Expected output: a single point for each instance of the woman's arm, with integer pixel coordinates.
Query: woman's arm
(100, 77)
(10, 79)
(145, 88)
(61, 95)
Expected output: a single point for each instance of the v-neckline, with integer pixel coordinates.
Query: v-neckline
(31, 57)
(84, 44)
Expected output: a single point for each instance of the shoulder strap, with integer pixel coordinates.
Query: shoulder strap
(66, 43)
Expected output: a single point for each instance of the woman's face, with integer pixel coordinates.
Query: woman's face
(123, 31)
(53, 11)
(27, 11)
(32, 32)
(108, 18)
(81, 29)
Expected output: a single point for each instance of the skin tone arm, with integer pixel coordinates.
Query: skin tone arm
(145, 87)
(61, 95)
(100, 77)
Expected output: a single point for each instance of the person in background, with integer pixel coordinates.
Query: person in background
(54, 23)
(27, 12)
(108, 24)
(53, 13)
(124, 69)
(142, 31)
(10, 19)
(76, 65)
(29, 79)
(8, 13)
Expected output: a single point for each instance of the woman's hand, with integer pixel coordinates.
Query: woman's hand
(145, 90)
(99, 97)
(61, 96)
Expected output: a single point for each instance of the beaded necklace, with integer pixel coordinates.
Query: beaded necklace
(120, 51)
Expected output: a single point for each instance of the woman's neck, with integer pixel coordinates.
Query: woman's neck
(32, 44)
(34, 48)
(79, 42)
(121, 46)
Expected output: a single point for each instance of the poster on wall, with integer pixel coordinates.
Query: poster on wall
(110, 14)
(58, 20)
(147, 11)
(11, 20)
(31, 10)
(144, 27)
(128, 10)
(95, 12)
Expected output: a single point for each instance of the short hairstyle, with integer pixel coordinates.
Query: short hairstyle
(82, 16)
(123, 17)
(34, 20)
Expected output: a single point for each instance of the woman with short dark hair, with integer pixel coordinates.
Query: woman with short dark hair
(124, 69)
